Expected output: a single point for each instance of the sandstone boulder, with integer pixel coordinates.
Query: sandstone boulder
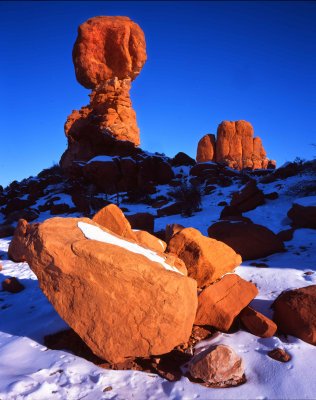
(206, 149)
(181, 159)
(248, 198)
(111, 290)
(206, 259)
(257, 323)
(142, 221)
(220, 303)
(250, 240)
(279, 354)
(294, 313)
(108, 47)
(303, 213)
(112, 218)
(218, 366)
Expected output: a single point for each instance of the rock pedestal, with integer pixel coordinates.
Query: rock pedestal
(108, 55)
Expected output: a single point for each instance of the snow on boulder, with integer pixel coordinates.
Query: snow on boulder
(249, 240)
(294, 313)
(123, 300)
(220, 303)
(206, 259)
(303, 212)
(218, 366)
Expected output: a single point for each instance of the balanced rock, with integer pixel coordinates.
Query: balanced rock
(257, 323)
(218, 366)
(220, 303)
(108, 55)
(112, 218)
(121, 299)
(206, 259)
(294, 313)
(250, 240)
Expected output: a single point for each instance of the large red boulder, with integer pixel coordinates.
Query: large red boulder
(92, 277)
(249, 240)
(220, 303)
(108, 47)
(248, 197)
(18, 244)
(206, 259)
(294, 313)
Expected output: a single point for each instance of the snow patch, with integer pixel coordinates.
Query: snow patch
(95, 233)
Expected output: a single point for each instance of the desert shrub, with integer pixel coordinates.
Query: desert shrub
(189, 196)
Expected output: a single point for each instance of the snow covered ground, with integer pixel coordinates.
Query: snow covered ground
(28, 370)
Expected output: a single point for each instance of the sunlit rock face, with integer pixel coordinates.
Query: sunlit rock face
(108, 54)
(235, 145)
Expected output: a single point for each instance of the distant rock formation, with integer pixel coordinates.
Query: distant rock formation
(108, 55)
(234, 146)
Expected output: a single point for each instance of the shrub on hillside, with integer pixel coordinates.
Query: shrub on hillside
(189, 196)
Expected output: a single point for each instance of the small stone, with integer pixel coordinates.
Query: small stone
(12, 285)
(280, 355)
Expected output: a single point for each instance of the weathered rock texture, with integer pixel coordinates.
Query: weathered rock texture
(120, 303)
(108, 55)
(235, 146)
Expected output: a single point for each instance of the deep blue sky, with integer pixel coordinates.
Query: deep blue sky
(207, 62)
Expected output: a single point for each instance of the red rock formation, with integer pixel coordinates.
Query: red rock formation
(206, 148)
(234, 146)
(108, 54)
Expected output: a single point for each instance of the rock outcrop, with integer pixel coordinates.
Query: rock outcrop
(235, 146)
(119, 299)
(108, 55)
(303, 212)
